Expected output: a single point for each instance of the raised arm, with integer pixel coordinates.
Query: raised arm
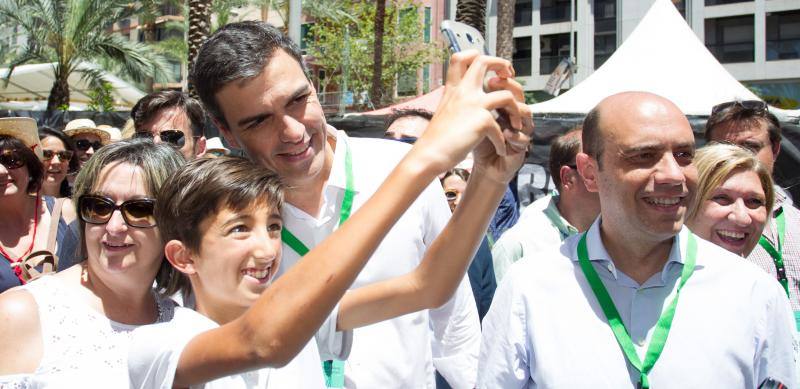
(290, 311)
(436, 278)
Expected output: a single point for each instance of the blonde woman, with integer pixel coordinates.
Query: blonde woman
(733, 199)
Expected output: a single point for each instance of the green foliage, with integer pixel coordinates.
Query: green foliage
(69, 32)
(102, 97)
(343, 42)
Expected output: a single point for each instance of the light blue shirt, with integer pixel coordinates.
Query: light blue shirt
(733, 327)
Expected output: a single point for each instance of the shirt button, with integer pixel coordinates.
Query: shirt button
(610, 268)
(640, 343)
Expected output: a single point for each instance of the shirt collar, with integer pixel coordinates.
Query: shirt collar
(338, 178)
(564, 227)
(597, 250)
(780, 198)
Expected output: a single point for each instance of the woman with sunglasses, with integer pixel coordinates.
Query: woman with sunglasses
(32, 227)
(60, 159)
(72, 329)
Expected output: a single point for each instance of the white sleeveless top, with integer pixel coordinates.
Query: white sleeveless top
(82, 347)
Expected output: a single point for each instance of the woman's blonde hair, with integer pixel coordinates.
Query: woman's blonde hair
(716, 162)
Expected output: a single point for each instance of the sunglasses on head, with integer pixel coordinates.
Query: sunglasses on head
(757, 106)
(83, 145)
(11, 159)
(99, 209)
(173, 137)
(64, 155)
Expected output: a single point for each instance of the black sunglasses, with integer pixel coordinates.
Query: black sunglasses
(173, 137)
(64, 155)
(451, 195)
(136, 213)
(83, 145)
(12, 159)
(756, 106)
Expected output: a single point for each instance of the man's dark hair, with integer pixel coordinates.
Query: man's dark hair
(205, 186)
(149, 106)
(592, 139)
(406, 112)
(562, 153)
(32, 162)
(743, 117)
(236, 52)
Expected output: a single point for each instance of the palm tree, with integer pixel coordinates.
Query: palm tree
(199, 29)
(505, 29)
(472, 12)
(69, 32)
(376, 91)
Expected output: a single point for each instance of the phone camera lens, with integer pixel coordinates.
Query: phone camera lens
(470, 39)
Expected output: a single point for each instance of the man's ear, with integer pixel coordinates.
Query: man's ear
(200, 146)
(776, 148)
(226, 132)
(179, 256)
(588, 169)
(565, 173)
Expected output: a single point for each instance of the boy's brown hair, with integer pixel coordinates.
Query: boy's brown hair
(205, 186)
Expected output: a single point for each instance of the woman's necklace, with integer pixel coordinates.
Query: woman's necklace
(18, 269)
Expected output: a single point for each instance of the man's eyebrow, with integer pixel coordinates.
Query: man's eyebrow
(640, 148)
(257, 117)
(263, 115)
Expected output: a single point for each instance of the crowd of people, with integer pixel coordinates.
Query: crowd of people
(148, 257)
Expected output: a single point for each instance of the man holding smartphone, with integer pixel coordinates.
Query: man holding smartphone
(252, 80)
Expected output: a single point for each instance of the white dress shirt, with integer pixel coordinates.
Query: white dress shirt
(402, 352)
(732, 328)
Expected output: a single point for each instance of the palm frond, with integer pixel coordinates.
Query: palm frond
(138, 60)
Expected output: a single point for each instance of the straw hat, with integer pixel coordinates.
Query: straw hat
(114, 133)
(216, 144)
(24, 129)
(86, 126)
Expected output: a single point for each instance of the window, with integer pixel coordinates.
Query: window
(718, 2)
(305, 35)
(554, 11)
(681, 6)
(174, 71)
(523, 13)
(553, 48)
(427, 21)
(605, 30)
(407, 82)
(521, 56)
(731, 39)
(783, 35)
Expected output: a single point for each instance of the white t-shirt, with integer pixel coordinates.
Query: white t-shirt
(156, 349)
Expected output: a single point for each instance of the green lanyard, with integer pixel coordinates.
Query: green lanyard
(347, 205)
(615, 322)
(777, 253)
(332, 370)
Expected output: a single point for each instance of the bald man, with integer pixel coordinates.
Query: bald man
(596, 312)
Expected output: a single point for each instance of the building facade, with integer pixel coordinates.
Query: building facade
(758, 41)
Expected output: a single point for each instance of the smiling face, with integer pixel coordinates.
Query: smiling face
(278, 120)
(13, 181)
(115, 248)
(55, 169)
(646, 176)
(239, 254)
(734, 214)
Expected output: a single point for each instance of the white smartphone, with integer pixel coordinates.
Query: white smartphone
(463, 37)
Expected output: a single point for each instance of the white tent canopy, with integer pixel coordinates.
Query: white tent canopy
(663, 56)
(33, 83)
